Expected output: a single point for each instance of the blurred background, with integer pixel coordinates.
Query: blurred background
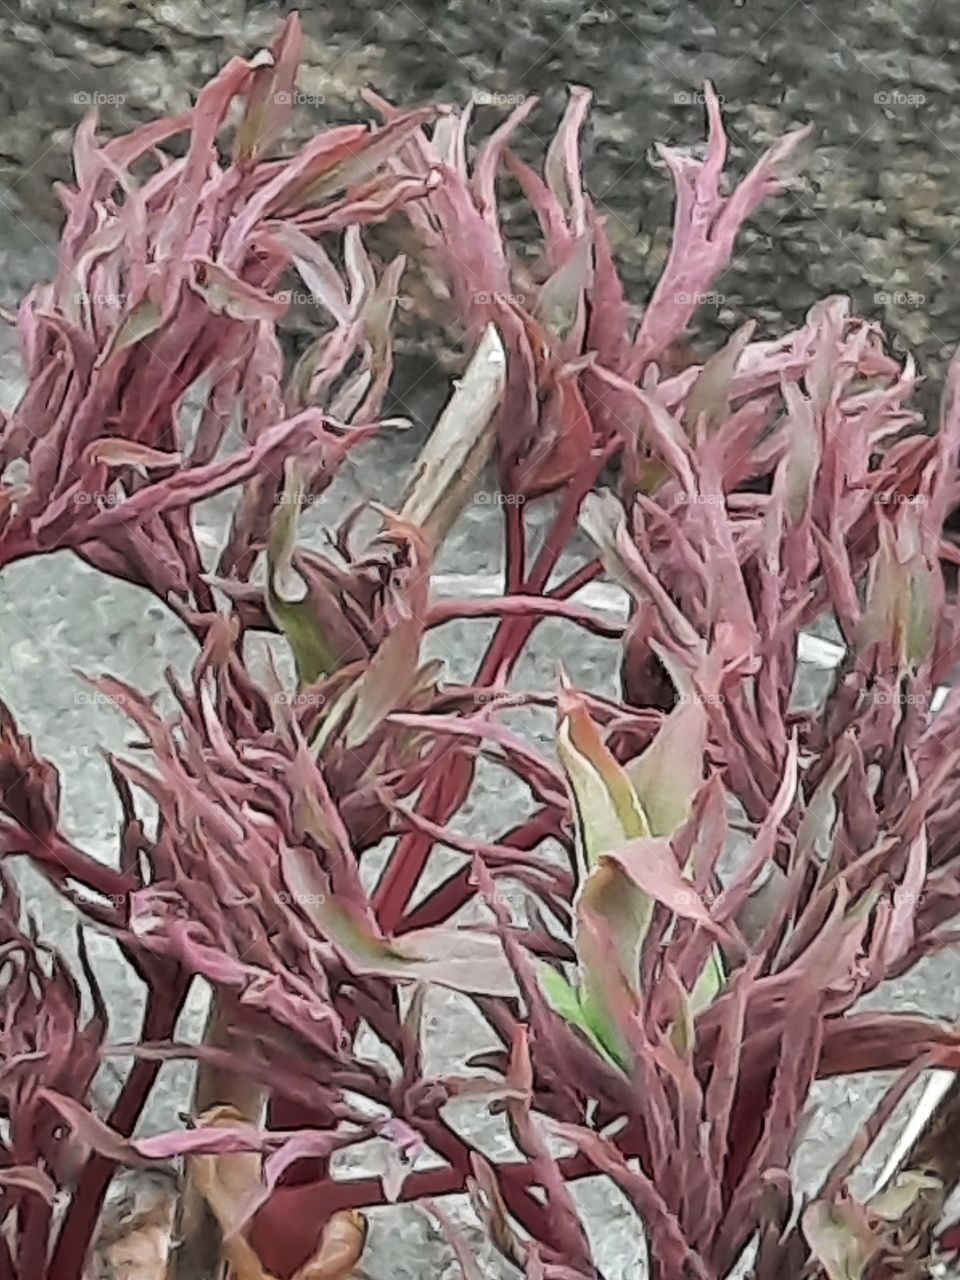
(874, 212)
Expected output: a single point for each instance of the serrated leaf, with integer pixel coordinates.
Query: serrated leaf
(709, 396)
(901, 608)
(896, 1200)
(560, 301)
(315, 269)
(607, 987)
(452, 956)
(393, 671)
(804, 451)
(227, 294)
(564, 999)
(922, 619)
(624, 911)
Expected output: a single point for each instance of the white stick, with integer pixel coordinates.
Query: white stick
(446, 474)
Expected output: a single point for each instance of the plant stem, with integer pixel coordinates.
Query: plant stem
(79, 1224)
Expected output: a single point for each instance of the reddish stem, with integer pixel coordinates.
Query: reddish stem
(59, 858)
(581, 577)
(459, 888)
(413, 850)
(515, 537)
(76, 1233)
(286, 1113)
(288, 1227)
(34, 1217)
(512, 634)
(525, 606)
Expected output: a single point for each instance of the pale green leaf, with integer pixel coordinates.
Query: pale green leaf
(839, 1239)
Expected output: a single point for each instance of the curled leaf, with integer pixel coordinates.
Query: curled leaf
(709, 397)
(113, 452)
(136, 325)
(840, 1238)
(228, 294)
(669, 773)
(560, 301)
(297, 619)
(804, 451)
(459, 958)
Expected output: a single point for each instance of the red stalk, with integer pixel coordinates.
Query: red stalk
(515, 537)
(512, 634)
(581, 577)
(527, 606)
(64, 859)
(441, 798)
(288, 1227)
(412, 850)
(437, 802)
(76, 1231)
